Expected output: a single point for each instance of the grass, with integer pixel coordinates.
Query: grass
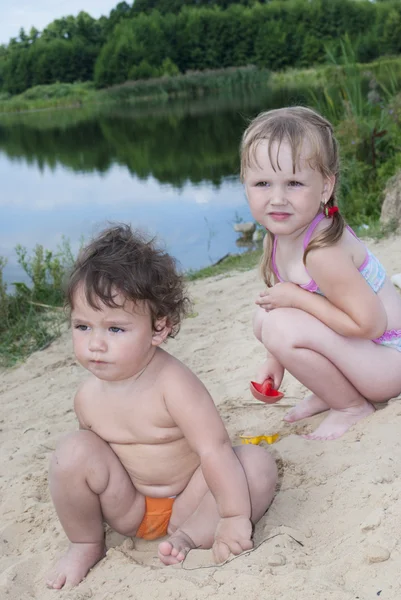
(193, 84)
(386, 69)
(31, 331)
(377, 231)
(55, 95)
(190, 84)
(234, 262)
(31, 317)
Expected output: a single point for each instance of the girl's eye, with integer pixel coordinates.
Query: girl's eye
(115, 329)
(81, 327)
(262, 184)
(295, 183)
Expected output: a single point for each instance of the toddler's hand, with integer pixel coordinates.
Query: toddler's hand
(233, 535)
(279, 296)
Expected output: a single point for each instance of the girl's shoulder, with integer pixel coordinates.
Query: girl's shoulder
(348, 245)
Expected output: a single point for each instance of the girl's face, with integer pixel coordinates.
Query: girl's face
(284, 202)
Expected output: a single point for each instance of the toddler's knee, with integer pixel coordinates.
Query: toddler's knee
(265, 470)
(260, 468)
(72, 451)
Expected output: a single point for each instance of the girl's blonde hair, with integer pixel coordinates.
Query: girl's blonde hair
(297, 126)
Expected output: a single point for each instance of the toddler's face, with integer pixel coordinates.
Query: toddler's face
(112, 343)
(282, 201)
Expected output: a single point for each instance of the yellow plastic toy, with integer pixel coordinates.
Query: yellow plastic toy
(269, 439)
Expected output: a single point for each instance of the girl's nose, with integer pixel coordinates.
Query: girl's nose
(278, 197)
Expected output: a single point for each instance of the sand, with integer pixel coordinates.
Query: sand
(332, 532)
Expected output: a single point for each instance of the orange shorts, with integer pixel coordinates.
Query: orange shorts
(157, 517)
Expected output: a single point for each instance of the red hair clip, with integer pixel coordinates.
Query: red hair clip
(329, 211)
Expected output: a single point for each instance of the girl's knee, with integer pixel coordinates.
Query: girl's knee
(257, 322)
(278, 329)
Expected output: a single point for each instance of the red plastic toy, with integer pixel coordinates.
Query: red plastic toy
(265, 391)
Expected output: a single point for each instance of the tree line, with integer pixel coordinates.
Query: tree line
(153, 38)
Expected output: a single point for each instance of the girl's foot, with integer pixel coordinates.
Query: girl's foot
(175, 549)
(75, 564)
(309, 406)
(339, 421)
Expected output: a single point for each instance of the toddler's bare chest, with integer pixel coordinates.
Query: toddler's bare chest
(128, 421)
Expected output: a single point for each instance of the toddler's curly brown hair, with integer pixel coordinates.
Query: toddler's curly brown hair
(122, 260)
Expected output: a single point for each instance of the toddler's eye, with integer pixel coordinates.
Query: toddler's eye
(294, 183)
(262, 184)
(81, 327)
(115, 329)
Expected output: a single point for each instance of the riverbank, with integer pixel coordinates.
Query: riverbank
(193, 84)
(331, 533)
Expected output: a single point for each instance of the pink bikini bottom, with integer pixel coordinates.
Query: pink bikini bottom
(391, 339)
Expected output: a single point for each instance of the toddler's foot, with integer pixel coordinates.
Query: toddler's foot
(75, 564)
(339, 421)
(309, 406)
(175, 549)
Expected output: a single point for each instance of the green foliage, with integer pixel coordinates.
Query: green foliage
(174, 6)
(193, 83)
(233, 262)
(49, 96)
(29, 317)
(274, 35)
(135, 42)
(368, 129)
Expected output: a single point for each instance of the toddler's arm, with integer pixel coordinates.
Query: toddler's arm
(194, 412)
(80, 395)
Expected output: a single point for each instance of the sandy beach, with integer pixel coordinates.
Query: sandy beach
(332, 532)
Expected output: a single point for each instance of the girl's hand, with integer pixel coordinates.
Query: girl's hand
(279, 296)
(271, 369)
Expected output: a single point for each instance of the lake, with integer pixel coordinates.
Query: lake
(170, 170)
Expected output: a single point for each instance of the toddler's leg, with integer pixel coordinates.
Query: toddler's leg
(341, 372)
(89, 485)
(195, 517)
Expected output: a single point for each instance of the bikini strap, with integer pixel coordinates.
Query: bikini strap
(312, 228)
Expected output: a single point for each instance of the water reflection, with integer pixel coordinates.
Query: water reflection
(170, 169)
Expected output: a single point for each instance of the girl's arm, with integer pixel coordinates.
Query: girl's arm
(350, 306)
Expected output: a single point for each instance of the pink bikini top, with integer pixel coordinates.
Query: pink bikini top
(371, 269)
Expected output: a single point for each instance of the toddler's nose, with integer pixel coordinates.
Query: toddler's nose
(97, 343)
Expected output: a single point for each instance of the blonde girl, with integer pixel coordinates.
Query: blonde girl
(329, 314)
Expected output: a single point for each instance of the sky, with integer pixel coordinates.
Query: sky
(39, 13)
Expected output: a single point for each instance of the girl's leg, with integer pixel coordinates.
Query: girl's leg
(343, 373)
(89, 485)
(195, 517)
(258, 318)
